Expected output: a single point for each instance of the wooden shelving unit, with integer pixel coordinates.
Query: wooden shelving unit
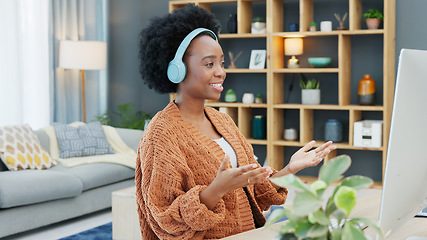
(276, 71)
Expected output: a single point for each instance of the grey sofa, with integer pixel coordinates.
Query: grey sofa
(34, 198)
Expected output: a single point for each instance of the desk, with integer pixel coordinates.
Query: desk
(367, 206)
(125, 216)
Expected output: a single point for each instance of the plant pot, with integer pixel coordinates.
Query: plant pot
(373, 23)
(258, 27)
(310, 96)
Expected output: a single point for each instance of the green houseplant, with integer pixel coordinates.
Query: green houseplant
(373, 18)
(258, 25)
(308, 219)
(308, 83)
(125, 117)
(310, 92)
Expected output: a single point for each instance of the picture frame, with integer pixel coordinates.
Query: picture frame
(257, 60)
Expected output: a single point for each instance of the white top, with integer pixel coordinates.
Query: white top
(226, 147)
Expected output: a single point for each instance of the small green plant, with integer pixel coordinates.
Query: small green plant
(373, 13)
(308, 83)
(313, 24)
(258, 19)
(308, 219)
(126, 117)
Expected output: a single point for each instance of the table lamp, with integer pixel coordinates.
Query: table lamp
(293, 47)
(83, 55)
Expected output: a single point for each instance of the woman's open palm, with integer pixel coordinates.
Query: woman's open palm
(305, 157)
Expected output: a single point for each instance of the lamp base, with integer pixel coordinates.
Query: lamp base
(293, 62)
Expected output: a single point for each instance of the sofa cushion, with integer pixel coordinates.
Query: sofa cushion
(85, 140)
(20, 149)
(32, 186)
(98, 174)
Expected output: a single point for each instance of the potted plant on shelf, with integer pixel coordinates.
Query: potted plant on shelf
(310, 92)
(308, 219)
(373, 18)
(258, 25)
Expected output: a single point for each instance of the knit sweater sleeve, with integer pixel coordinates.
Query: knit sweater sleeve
(173, 208)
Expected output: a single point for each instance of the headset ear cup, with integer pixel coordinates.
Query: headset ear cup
(176, 71)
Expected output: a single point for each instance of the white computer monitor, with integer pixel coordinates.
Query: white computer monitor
(405, 182)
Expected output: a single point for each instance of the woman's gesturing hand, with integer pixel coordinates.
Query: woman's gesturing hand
(228, 179)
(305, 157)
(233, 178)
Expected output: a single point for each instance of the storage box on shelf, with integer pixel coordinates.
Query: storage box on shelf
(279, 13)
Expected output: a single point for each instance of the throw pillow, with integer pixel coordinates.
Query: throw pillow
(85, 140)
(20, 149)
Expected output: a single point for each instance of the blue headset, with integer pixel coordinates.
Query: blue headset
(176, 68)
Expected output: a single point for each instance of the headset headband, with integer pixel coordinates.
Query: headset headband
(187, 40)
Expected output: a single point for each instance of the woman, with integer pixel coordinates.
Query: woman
(196, 176)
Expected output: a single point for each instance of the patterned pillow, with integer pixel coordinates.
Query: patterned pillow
(20, 149)
(85, 140)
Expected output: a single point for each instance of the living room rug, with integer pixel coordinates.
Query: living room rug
(103, 232)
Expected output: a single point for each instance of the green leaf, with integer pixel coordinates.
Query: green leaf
(302, 228)
(350, 232)
(311, 218)
(292, 216)
(317, 231)
(357, 182)
(317, 86)
(306, 203)
(338, 214)
(333, 169)
(336, 234)
(288, 227)
(290, 181)
(330, 206)
(318, 187)
(345, 199)
(320, 217)
(276, 215)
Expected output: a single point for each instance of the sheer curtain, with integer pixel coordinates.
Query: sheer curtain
(24, 63)
(78, 20)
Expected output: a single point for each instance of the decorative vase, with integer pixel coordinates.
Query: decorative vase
(258, 127)
(373, 23)
(310, 96)
(366, 91)
(290, 134)
(333, 130)
(293, 27)
(230, 96)
(232, 23)
(248, 98)
(325, 26)
(258, 27)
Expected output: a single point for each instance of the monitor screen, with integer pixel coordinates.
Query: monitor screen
(405, 182)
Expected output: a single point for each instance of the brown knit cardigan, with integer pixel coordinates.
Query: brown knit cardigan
(176, 162)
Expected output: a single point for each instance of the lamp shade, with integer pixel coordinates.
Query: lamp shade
(84, 55)
(293, 46)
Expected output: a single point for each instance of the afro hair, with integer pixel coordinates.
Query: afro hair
(161, 38)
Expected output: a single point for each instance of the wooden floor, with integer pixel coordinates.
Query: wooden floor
(66, 228)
